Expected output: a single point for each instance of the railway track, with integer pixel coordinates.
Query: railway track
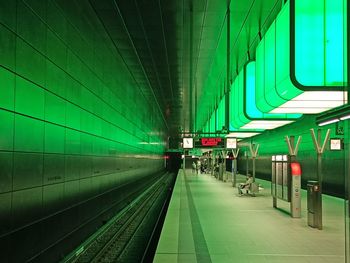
(112, 242)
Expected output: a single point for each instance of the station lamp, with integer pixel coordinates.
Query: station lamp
(244, 113)
(333, 116)
(301, 62)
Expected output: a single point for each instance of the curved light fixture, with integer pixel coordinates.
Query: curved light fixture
(301, 61)
(244, 114)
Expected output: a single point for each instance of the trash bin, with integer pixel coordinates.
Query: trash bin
(313, 204)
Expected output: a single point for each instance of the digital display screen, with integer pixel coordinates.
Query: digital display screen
(209, 142)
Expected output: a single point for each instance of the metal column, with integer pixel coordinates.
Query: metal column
(319, 151)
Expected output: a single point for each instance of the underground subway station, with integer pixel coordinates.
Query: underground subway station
(174, 131)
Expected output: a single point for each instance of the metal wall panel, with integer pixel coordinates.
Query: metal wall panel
(27, 170)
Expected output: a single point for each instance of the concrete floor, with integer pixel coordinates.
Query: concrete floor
(208, 222)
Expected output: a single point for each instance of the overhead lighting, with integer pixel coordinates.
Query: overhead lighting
(328, 122)
(242, 134)
(313, 102)
(335, 115)
(345, 117)
(268, 125)
(293, 75)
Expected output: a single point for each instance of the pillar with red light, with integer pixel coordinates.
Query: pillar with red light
(295, 204)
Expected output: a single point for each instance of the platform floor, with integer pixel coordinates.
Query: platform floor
(207, 221)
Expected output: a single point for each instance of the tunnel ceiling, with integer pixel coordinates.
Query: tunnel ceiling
(176, 50)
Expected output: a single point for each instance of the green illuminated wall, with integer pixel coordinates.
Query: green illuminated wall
(74, 124)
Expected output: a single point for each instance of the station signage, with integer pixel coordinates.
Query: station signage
(231, 143)
(336, 144)
(187, 143)
(210, 143)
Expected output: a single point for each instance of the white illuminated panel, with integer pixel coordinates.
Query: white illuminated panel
(328, 122)
(335, 144)
(187, 143)
(242, 134)
(231, 143)
(267, 125)
(346, 117)
(313, 102)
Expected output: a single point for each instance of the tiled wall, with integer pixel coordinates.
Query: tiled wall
(72, 119)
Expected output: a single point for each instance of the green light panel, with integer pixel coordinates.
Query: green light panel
(320, 24)
(250, 97)
(220, 115)
(212, 122)
(314, 67)
(237, 118)
(242, 96)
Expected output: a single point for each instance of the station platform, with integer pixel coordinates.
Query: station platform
(207, 221)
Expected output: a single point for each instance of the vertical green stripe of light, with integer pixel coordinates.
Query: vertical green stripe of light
(270, 68)
(251, 108)
(284, 87)
(220, 115)
(212, 123)
(240, 99)
(335, 36)
(309, 35)
(284, 90)
(261, 103)
(237, 116)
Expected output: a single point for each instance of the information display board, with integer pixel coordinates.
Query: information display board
(209, 142)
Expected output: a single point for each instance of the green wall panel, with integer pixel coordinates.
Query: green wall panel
(29, 134)
(8, 13)
(55, 109)
(7, 48)
(54, 138)
(29, 62)
(30, 99)
(7, 88)
(7, 130)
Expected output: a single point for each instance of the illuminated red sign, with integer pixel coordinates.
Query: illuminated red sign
(210, 141)
(296, 169)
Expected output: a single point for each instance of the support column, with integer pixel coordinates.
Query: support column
(228, 70)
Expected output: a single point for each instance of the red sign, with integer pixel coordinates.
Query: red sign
(210, 141)
(296, 169)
